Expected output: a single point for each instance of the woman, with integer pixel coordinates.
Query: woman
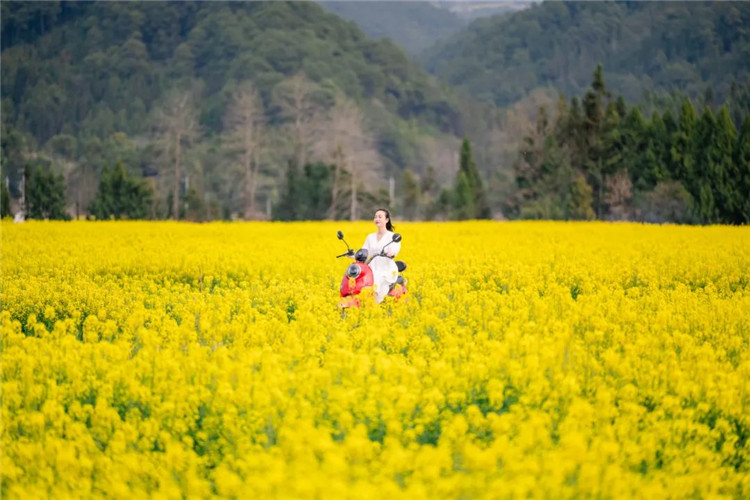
(375, 242)
(383, 275)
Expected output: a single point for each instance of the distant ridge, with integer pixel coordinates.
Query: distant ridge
(644, 46)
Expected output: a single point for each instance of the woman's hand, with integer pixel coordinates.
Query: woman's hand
(389, 254)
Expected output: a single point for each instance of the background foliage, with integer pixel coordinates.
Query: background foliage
(156, 87)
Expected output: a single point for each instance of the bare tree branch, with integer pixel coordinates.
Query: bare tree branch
(351, 149)
(177, 126)
(301, 107)
(244, 123)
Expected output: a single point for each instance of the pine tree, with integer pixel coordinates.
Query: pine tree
(45, 194)
(683, 150)
(315, 191)
(742, 160)
(412, 196)
(581, 199)
(474, 205)
(4, 200)
(429, 193)
(288, 207)
(706, 168)
(463, 199)
(726, 172)
(612, 149)
(121, 196)
(594, 108)
(671, 128)
(574, 135)
(621, 107)
(655, 154)
(669, 122)
(634, 145)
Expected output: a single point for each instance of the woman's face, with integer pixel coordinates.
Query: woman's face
(380, 219)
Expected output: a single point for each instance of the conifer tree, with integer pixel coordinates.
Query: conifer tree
(470, 201)
(581, 199)
(288, 207)
(612, 142)
(594, 108)
(705, 172)
(4, 200)
(574, 134)
(45, 194)
(412, 194)
(463, 199)
(633, 144)
(656, 147)
(670, 127)
(683, 148)
(121, 196)
(742, 160)
(726, 173)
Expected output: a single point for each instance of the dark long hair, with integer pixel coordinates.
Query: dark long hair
(388, 225)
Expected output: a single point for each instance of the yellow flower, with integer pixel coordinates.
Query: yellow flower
(173, 360)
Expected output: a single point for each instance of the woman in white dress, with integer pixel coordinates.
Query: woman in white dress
(383, 269)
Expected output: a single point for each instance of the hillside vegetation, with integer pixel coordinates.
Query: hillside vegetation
(87, 84)
(643, 46)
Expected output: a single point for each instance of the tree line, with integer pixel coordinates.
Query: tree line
(588, 158)
(593, 158)
(308, 193)
(334, 167)
(317, 191)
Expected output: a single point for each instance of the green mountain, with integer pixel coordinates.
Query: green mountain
(85, 81)
(644, 46)
(414, 26)
(74, 58)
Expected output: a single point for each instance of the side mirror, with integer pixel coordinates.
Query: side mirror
(339, 235)
(397, 237)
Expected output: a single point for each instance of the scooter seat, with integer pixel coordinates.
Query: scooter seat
(401, 265)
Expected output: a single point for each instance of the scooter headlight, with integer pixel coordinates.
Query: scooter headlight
(353, 271)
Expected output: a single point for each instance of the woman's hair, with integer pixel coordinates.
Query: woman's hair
(389, 224)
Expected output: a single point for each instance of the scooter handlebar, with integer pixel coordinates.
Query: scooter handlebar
(351, 254)
(381, 254)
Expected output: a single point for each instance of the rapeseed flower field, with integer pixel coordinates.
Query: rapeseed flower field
(531, 359)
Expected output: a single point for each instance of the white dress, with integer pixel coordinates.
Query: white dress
(384, 269)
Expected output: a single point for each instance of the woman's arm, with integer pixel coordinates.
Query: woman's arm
(393, 249)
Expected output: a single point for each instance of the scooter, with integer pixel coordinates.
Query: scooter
(359, 275)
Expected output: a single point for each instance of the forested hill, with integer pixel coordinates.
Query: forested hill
(92, 69)
(653, 46)
(414, 25)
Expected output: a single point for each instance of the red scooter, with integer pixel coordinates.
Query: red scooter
(359, 275)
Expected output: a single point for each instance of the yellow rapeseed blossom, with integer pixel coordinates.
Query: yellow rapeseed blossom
(546, 360)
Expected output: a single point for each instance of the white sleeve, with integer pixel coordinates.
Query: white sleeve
(367, 246)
